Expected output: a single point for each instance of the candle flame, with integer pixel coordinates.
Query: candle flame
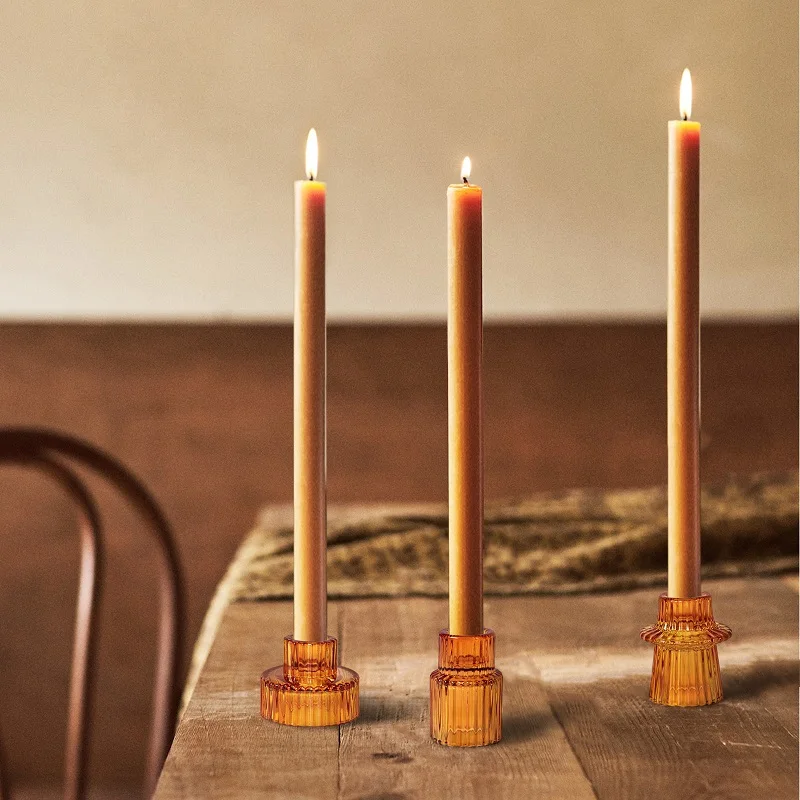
(466, 169)
(686, 94)
(312, 155)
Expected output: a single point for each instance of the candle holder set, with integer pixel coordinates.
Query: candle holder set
(466, 689)
(310, 688)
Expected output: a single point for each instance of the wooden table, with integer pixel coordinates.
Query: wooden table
(577, 721)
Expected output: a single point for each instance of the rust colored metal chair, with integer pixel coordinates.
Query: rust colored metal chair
(56, 455)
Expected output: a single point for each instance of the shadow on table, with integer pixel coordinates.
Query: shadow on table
(747, 683)
(522, 728)
(390, 709)
(516, 727)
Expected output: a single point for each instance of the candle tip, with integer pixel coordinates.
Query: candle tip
(686, 94)
(466, 169)
(312, 155)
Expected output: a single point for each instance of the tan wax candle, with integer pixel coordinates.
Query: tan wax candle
(310, 515)
(465, 404)
(683, 352)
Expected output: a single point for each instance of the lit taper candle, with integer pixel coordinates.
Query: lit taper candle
(466, 687)
(309, 689)
(683, 350)
(685, 660)
(310, 514)
(465, 403)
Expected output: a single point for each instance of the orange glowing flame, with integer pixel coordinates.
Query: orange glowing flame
(312, 155)
(686, 94)
(466, 169)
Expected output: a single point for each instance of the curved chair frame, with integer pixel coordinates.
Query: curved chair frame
(50, 452)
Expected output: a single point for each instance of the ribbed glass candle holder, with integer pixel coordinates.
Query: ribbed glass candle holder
(685, 661)
(309, 688)
(466, 692)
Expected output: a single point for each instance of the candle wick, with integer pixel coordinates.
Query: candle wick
(466, 180)
(685, 117)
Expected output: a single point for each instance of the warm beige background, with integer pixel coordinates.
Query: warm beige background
(148, 151)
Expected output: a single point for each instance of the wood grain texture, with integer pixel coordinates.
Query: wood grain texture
(388, 752)
(203, 413)
(577, 718)
(745, 747)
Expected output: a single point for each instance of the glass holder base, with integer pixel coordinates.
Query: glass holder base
(466, 692)
(309, 689)
(685, 661)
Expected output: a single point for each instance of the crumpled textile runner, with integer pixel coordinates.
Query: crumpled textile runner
(575, 541)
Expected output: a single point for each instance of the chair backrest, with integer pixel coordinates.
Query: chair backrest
(56, 454)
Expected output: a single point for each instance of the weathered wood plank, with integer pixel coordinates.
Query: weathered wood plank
(632, 748)
(745, 747)
(577, 718)
(389, 752)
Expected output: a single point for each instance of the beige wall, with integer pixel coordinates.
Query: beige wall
(147, 151)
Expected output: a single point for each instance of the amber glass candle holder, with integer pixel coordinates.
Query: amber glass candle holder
(309, 688)
(685, 661)
(466, 692)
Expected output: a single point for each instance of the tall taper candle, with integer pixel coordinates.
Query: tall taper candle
(465, 404)
(683, 351)
(310, 516)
